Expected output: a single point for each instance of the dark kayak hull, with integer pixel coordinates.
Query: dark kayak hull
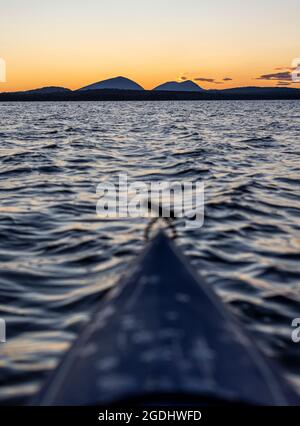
(163, 332)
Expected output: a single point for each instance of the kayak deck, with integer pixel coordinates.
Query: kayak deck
(162, 331)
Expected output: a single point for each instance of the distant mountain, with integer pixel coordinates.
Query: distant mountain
(255, 91)
(47, 90)
(40, 91)
(239, 93)
(117, 83)
(184, 86)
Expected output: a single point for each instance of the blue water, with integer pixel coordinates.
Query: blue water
(57, 257)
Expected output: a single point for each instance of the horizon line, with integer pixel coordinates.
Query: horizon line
(285, 85)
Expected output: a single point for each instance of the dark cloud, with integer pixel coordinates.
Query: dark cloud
(212, 80)
(208, 80)
(279, 76)
(183, 78)
(283, 83)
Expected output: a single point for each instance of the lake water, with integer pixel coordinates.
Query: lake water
(57, 257)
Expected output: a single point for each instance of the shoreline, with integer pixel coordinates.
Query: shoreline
(255, 94)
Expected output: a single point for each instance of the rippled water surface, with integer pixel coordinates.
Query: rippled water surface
(57, 257)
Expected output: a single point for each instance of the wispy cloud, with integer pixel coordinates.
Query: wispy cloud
(279, 76)
(212, 80)
(283, 77)
(194, 77)
(207, 80)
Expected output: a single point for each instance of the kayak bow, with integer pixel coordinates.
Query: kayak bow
(162, 334)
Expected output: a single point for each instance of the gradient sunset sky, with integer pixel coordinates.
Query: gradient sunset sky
(73, 43)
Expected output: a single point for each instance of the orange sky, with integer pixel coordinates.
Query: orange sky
(73, 43)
